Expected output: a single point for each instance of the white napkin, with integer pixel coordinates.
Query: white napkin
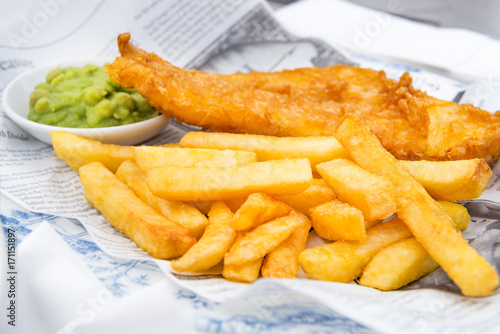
(53, 286)
(458, 53)
(153, 309)
(57, 293)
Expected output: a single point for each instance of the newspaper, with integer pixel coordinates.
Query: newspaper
(225, 37)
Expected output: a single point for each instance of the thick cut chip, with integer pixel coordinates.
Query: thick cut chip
(213, 245)
(277, 177)
(77, 151)
(245, 272)
(151, 231)
(148, 157)
(338, 221)
(316, 149)
(465, 266)
(433, 229)
(283, 261)
(397, 265)
(258, 209)
(458, 180)
(343, 261)
(262, 239)
(370, 193)
(458, 213)
(318, 193)
(406, 261)
(181, 213)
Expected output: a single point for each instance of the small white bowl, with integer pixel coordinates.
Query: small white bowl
(15, 101)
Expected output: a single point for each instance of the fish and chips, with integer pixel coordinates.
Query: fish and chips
(341, 151)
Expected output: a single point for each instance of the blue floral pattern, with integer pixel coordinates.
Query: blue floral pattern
(118, 275)
(261, 314)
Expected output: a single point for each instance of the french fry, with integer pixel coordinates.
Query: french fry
(259, 208)
(318, 193)
(283, 261)
(245, 272)
(370, 193)
(277, 177)
(219, 173)
(77, 151)
(148, 157)
(458, 214)
(262, 239)
(181, 213)
(406, 261)
(343, 261)
(433, 229)
(154, 233)
(316, 149)
(397, 265)
(213, 245)
(336, 220)
(451, 180)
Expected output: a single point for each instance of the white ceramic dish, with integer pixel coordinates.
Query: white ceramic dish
(15, 102)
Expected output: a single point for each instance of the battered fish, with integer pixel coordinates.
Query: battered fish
(310, 102)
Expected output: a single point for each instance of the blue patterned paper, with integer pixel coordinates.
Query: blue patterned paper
(118, 275)
(262, 312)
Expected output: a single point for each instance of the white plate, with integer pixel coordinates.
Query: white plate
(16, 104)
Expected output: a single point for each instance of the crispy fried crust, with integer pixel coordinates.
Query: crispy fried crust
(310, 102)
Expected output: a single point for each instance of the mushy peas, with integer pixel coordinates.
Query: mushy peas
(85, 97)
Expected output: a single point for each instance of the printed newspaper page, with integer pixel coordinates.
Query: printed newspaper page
(223, 37)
